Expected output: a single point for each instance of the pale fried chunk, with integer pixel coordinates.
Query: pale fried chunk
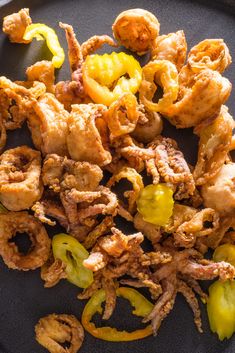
(14, 25)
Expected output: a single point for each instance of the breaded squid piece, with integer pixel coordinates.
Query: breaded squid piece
(219, 193)
(187, 224)
(42, 71)
(209, 54)
(21, 222)
(199, 100)
(20, 178)
(49, 125)
(214, 145)
(88, 136)
(172, 47)
(136, 29)
(61, 173)
(14, 26)
(16, 100)
(55, 329)
(151, 231)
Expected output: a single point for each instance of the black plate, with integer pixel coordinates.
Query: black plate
(23, 300)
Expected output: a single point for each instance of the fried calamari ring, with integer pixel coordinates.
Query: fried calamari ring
(86, 121)
(15, 25)
(12, 223)
(199, 100)
(165, 74)
(209, 54)
(172, 47)
(214, 145)
(122, 115)
(136, 30)
(136, 180)
(53, 330)
(42, 71)
(48, 125)
(20, 178)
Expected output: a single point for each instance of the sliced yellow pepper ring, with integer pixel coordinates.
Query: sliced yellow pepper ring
(104, 76)
(155, 204)
(142, 308)
(40, 31)
(221, 308)
(225, 252)
(72, 253)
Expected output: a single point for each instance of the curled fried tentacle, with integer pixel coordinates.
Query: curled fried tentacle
(48, 125)
(52, 272)
(122, 115)
(86, 121)
(219, 192)
(43, 71)
(53, 330)
(172, 47)
(136, 29)
(15, 24)
(94, 43)
(209, 54)
(165, 74)
(20, 178)
(136, 180)
(188, 224)
(214, 145)
(20, 222)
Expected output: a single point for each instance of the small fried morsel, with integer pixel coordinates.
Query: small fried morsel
(42, 71)
(61, 173)
(20, 178)
(48, 125)
(55, 329)
(14, 25)
(136, 30)
(3, 134)
(12, 223)
(214, 145)
(145, 131)
(122, 115)
(86, 121)
(219, 193)
(137, 182)
(165, 74)
(199, 99)
(52, 272)
(101, 229)
(172, 47)
(209, 54)
(151, 231)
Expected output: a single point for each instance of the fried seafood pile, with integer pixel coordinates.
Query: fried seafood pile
(93, 126)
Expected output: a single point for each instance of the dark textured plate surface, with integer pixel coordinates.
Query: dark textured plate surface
(23, 300)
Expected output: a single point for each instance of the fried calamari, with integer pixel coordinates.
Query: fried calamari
(12, 223)
(15, 24)
(20, 178)
(55, 329)
(136, 30)
(42, 71)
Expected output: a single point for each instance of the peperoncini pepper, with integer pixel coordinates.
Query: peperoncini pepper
(40, 31)
(221, 308)
(142, 308)
(104, 76)
(155, 204)
(72, 253)
(225, 252)
(221, 300)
